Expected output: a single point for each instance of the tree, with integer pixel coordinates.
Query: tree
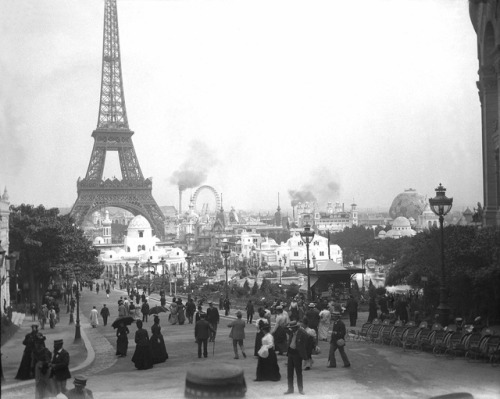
(264, 286)
(246, 286)
(51, 247)
(255, 288)
(472, 258)
(358, 241)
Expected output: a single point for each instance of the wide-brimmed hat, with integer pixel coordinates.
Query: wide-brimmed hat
(279, 307)
(312, 305)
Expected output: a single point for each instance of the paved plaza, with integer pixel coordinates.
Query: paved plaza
(378, 371)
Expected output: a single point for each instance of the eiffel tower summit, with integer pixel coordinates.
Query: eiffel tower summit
(133, 192)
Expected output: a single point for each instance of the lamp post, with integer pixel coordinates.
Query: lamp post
(307, 236)
(225, 251)
(162, 263)
(280, 270)
(441, 205)
(148, 263)
(188, 258)
(78, 335)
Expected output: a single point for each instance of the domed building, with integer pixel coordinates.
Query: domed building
(409, 204)
(140, 236)
(401, 227)
(427, 219)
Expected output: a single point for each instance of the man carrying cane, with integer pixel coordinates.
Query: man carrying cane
(213, 319)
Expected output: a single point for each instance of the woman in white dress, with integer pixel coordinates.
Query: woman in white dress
(324, 324)
(267, 365)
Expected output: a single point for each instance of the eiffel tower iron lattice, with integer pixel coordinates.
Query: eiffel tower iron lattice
(133, 192)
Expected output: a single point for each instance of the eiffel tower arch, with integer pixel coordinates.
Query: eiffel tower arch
(133, 192)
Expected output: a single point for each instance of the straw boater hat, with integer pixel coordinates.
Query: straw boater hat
(335, 314)
(80, 380)
(312, 305)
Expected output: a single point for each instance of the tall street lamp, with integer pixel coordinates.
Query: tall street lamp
(280, 270)
(225, 251)
(78, 335)
(188, 258)
(307, 236)
(441, 205)
(148, 263)
(162, 263)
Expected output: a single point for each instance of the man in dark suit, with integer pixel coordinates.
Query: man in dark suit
(352, 309)
(297, 344)
(213, 320)
(60, 366)
(105, 314)
(312, 315)
(202, 330)
(338, 333)
(250, 311)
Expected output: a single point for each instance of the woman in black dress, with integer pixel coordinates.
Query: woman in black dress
(258, 337)
(180, 312)
(157, 343)
(143, 358)
(122, 341)
(26, 369)
(267, 367)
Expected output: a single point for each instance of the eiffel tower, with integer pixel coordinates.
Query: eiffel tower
(133, 192)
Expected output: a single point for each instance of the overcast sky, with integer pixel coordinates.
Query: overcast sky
(349, 100)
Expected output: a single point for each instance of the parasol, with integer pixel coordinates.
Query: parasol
(157, 309)
(127, 320)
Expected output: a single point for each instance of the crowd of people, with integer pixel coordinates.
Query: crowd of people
(49, 369)
(298, 327)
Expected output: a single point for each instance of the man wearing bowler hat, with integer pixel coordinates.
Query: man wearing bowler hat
(60, 366)
(79, 391)
(297, 351)
(337, 341)
(213, 319)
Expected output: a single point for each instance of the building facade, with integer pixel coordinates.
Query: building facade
(4, 242)
(486, 22)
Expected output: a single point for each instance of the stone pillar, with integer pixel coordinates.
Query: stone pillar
(488, 94)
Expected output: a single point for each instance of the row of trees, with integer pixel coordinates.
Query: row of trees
(52, 250)
(472, 264)
(472, 268)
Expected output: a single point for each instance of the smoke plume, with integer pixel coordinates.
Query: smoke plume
(301, 196)
(321, 188)
(194, 170)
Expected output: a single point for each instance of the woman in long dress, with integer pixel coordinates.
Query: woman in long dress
(258, 337)
(122, 340)
(267, 367)
(26, 368)
(173, 313)
(157, 343)
(324, 324)
(143, 358)
(180, 312)
(94, 318)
